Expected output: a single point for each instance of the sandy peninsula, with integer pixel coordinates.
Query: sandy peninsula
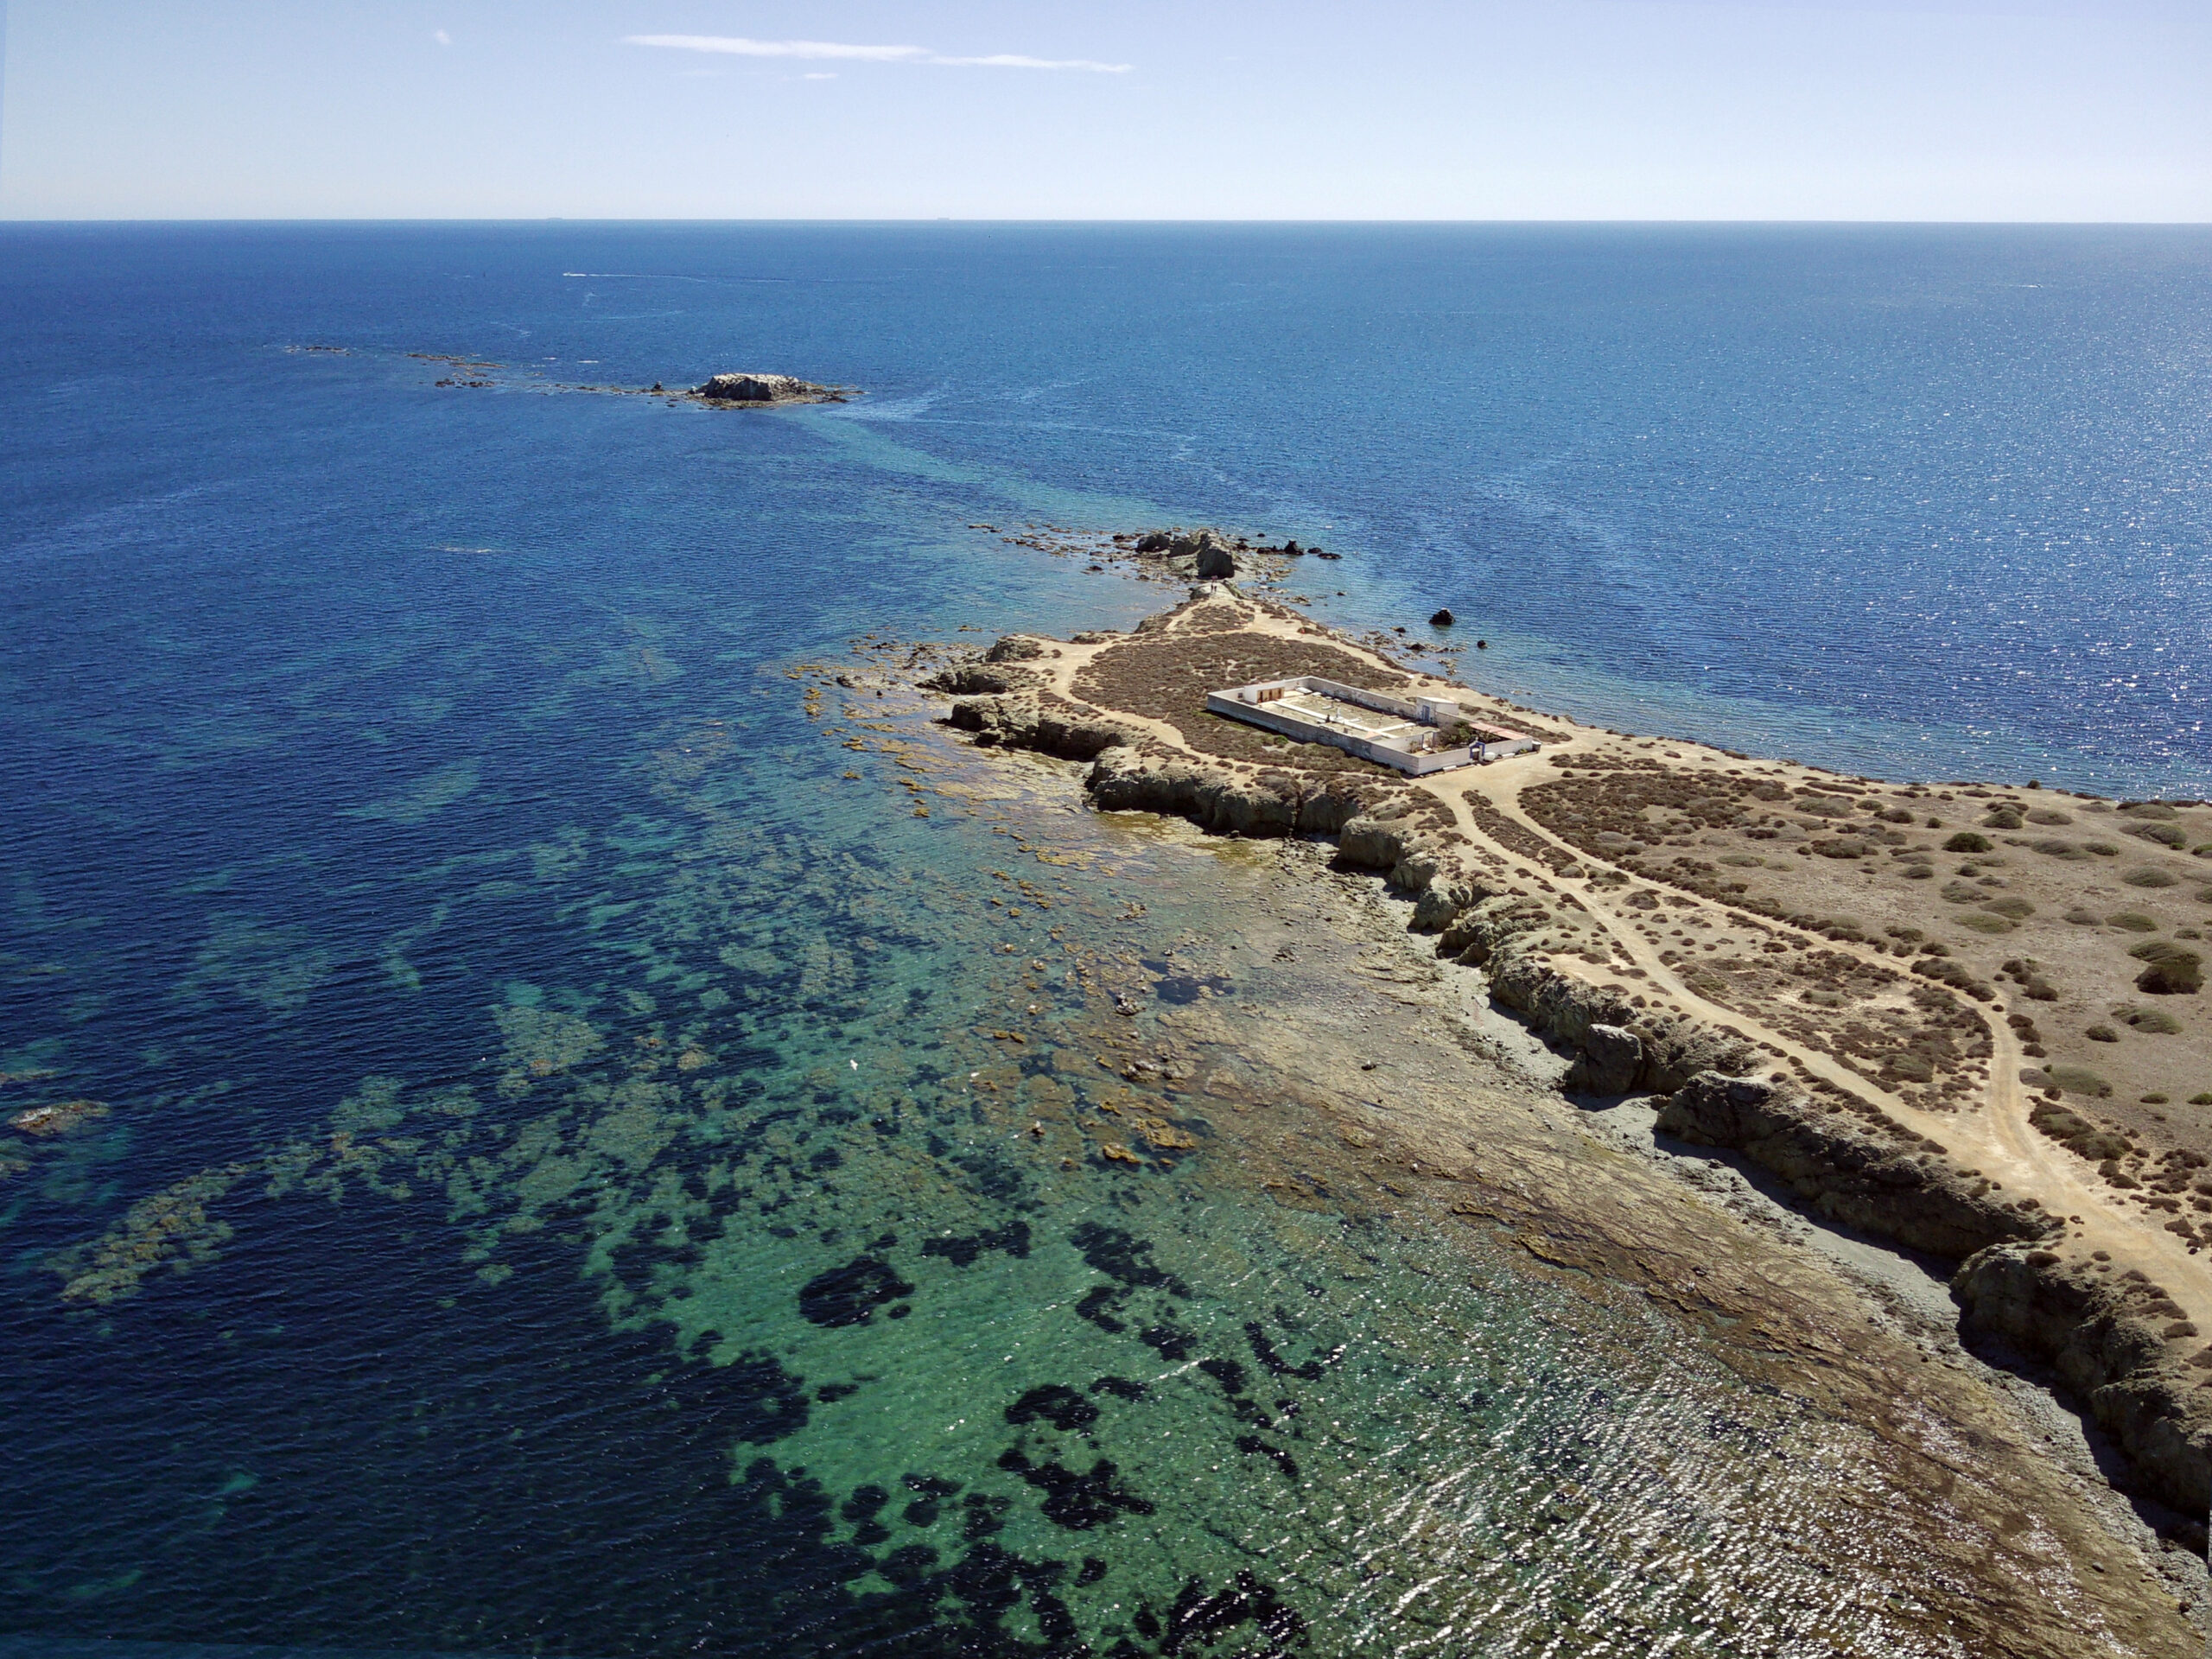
(1965, 1017)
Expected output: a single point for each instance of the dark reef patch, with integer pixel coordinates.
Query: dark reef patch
(1253, 1445)
(1078, 1502)
(1202, 1619)
(760, 1400)
(1124, 1258)
(1058, 1404)
(1276, 1365)
(851, 1295)
(1172, 1342)
(961, 1250)
(1097, 1306)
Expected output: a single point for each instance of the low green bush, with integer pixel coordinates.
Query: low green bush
(2150, 878)
(2131, 921)
(2102, 848)
(2101, 1034)
(2166, 835)
(2017, 908)
(2173, 971)
(2079, 1080)
(1966, 842)
(2155, 1020)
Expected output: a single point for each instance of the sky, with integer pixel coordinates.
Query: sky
(1946, 110)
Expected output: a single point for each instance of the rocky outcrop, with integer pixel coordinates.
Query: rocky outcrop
(1611, 1062)
(1844, 1173)
(2107, 1340)
(762, 389)
(1214, 563)
(1015, 648)
(968, 680)
(1129, 780)
(1026, 723)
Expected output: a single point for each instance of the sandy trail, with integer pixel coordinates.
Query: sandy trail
(1998, 1138)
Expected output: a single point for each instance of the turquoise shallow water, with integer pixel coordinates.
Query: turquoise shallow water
(561, 1189)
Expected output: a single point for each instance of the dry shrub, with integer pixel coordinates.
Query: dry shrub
(2174, 971)
(2150, 878)
(2079, 1080)
(1966, 842)
(2157, 1021)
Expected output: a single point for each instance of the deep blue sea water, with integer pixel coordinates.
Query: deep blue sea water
(528, 1053)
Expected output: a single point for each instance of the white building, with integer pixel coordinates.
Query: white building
(1423, 734)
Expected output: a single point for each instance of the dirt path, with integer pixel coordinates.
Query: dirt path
(1998, 1138)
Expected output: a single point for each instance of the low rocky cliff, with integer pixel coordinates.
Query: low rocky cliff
(2111, 1341)
(1843, 1172)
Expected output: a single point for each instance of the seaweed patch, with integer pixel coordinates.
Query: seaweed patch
(851, 1295)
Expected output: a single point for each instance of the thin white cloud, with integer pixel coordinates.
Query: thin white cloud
(442, 37)
(738, 45)
(819, 74)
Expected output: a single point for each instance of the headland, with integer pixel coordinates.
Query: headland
(1963, 1018)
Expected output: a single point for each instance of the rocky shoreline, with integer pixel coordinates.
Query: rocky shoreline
(1492, 891)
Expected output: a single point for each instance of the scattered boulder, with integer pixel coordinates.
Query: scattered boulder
(1609, 1063)
(1215, 564)
(1155, 542)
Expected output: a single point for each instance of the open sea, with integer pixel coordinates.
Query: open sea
(564, 1187)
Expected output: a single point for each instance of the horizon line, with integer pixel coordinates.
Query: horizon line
(949, 219)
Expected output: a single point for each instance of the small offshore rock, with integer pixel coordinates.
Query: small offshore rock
(1443, 619)
(759, 389)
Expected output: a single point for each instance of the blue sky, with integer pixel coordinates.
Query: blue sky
(1394, 109)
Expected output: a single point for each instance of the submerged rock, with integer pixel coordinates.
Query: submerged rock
(59, 1118)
